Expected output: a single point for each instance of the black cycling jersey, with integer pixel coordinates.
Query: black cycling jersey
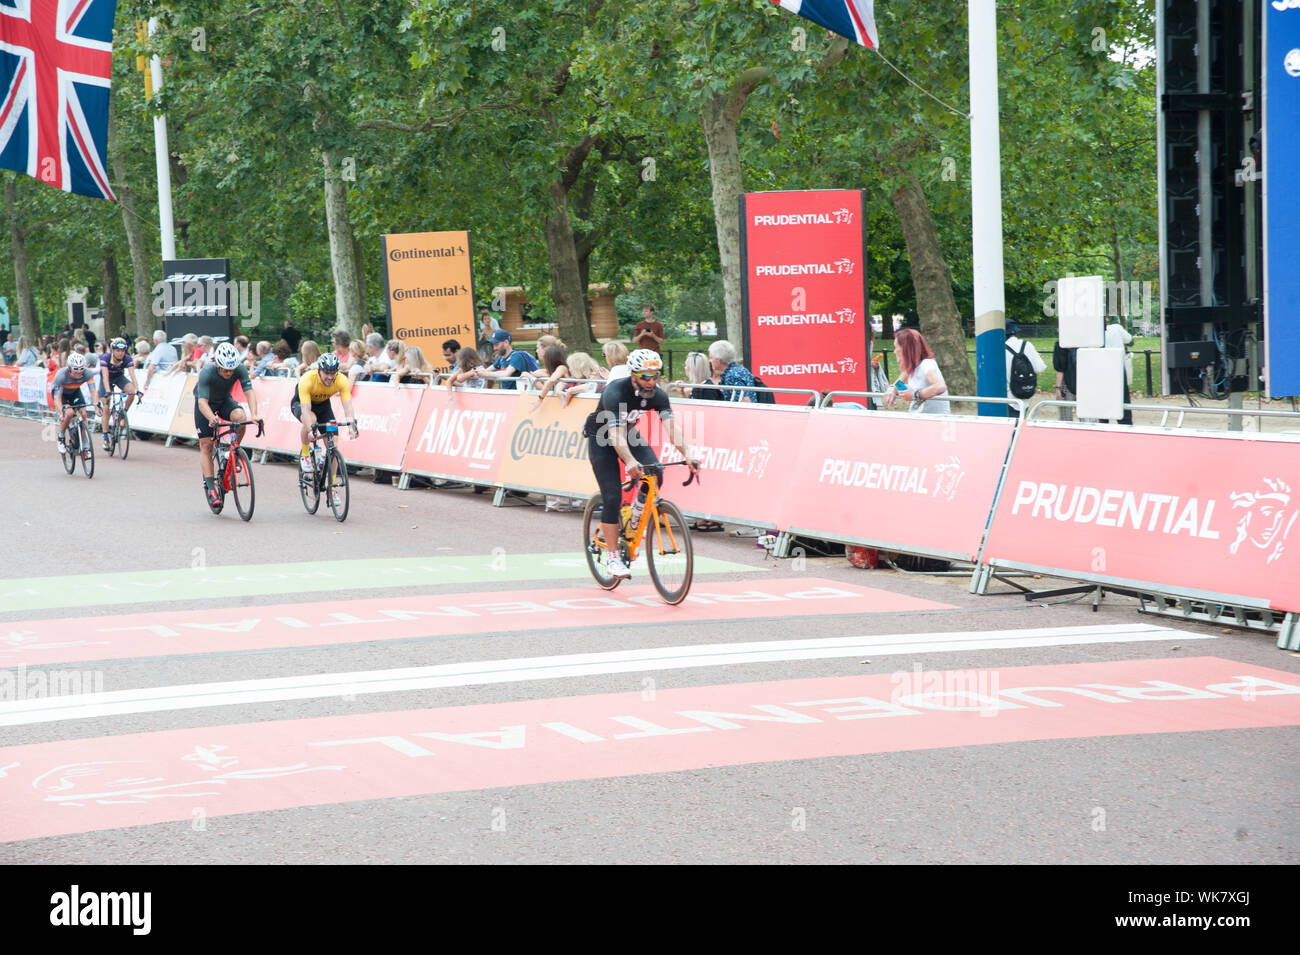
(621, 404)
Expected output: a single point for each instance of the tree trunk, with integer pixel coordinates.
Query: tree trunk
(140, 279)
(342, 251)
(114, 318)
(719, 119)
(30, 326)
(940, 320)
(566, 282)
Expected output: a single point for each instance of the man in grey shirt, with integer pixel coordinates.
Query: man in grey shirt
(162, 357)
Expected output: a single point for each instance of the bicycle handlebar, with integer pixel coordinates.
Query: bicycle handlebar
(223, 425)
(695, 474)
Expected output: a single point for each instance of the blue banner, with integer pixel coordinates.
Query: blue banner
(1281, 198)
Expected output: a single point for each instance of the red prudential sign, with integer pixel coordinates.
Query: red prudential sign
(805, 291)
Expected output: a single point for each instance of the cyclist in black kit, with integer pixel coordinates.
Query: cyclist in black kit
(612, 437)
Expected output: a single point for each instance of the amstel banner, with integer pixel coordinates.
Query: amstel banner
(429, 287)
(919, 483)
(461, 433)
(545, 450)
(1185, 514)
(804, 296)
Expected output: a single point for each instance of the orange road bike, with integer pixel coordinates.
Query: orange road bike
(661, 529)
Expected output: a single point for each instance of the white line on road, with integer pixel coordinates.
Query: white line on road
(316, 686)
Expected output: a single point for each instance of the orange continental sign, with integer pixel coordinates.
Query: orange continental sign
(546, 450)
(430, 285)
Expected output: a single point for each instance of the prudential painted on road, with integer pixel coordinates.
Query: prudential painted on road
(144, 586)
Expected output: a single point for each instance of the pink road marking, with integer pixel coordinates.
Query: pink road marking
(112, 782)
(333, 622)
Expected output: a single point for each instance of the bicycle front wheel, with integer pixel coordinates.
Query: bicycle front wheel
(336, 485)
(309, 487)
(594, 547)
(241, 482)
(122, 438)
(87, 448)
(69, 455)
(669, 553)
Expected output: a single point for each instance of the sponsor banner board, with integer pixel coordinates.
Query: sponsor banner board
(1281, 200)
(921, 483)
(156, 407)
(281, 430)
(748, 454)
(385, 415)
(182, 425)
(804, 295)
(9, 383)
(1191, 513)
(429, 281)
(34, 384)
(545, 449)
(195, 296)
(461, 433)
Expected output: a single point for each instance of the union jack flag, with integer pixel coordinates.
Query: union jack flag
(851, 18)
(55, 61)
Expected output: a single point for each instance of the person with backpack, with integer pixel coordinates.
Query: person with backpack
(509, 364)
(1023, 367)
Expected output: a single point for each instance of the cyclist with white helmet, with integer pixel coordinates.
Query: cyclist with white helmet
(213, 401)
(70, 393)
(113, 366)
(612, 438)
(315, 389)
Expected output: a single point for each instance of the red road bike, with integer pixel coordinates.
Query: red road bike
(232, 467)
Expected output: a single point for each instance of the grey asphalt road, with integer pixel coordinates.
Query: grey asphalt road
(1179, 795)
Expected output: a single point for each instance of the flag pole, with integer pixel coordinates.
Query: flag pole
(986, 207)
(161, 152)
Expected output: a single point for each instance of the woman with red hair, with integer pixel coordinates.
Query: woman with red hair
(919, 381)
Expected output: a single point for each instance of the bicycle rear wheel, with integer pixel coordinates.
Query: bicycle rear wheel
(593, 547)
(241, 482)
(309, 487)
(669, 553)
(336, 485)
(87, 448)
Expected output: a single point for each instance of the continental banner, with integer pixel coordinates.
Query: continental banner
(919, 483)
(1186, 514)
(385, 416)
(545, 450)
(429, 286)
(461, 433)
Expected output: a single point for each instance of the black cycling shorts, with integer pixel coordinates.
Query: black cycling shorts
(324, 411)
(117, 381)
(75, 399)
(605, 465)
(224, 410)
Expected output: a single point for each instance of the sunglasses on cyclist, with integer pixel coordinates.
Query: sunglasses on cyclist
(647, 376)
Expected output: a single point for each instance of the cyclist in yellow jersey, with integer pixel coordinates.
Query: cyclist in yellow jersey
(311, 404)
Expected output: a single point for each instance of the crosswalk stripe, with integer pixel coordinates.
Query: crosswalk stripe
(347, 685)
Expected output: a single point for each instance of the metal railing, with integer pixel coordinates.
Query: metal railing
(830, 396)
(1181, 413)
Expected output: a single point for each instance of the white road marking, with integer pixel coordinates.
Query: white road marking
(317, 686)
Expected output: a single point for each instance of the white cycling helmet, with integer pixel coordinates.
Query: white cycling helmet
(226, 356)
(644, 360)
(77, 361)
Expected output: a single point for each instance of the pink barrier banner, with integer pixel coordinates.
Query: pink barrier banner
(386, 415)
(921, 483)
(273, 398)
(748, 456)
(460, 434)
(1192, 514)
(16, 384)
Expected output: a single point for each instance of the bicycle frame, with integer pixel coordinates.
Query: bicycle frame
(636, 535)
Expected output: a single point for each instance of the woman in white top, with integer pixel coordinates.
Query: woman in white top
(919, 375)
(616, 358)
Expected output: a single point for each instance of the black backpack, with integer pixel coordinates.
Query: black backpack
(763, 397)
(1024, 382)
